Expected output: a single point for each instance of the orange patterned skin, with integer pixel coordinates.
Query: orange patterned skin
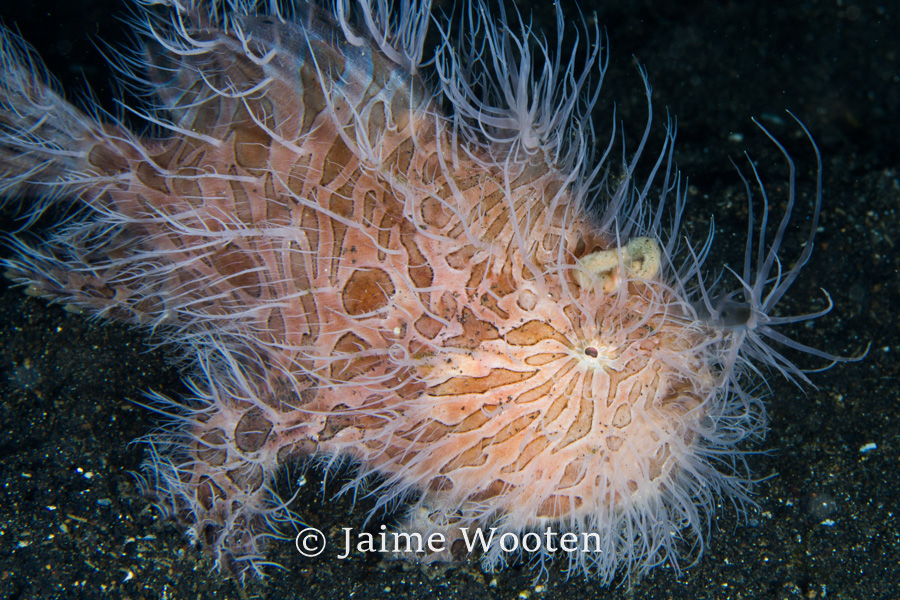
(361, 274)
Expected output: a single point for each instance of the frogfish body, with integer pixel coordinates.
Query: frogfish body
(370, 264)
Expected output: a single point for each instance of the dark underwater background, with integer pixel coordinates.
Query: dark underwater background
(74, 525)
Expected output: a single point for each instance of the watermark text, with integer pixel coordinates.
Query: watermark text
(311, 542)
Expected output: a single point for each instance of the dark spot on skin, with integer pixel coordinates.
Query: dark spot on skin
(734, 314)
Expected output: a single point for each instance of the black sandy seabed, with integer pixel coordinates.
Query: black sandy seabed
(73, 524)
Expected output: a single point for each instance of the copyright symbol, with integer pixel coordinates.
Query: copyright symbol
(310, 542)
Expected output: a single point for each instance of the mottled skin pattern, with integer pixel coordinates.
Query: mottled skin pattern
(355, 284)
